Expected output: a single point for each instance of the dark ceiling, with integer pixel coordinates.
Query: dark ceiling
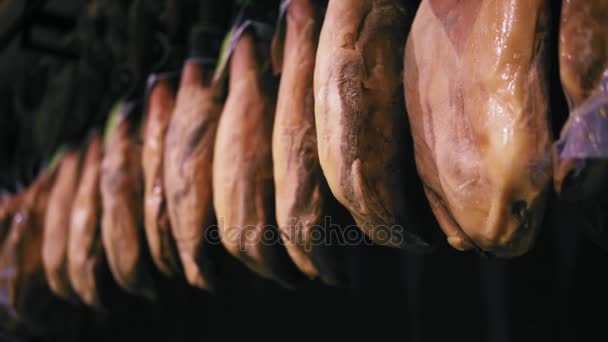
(18, 58)
(14, 58)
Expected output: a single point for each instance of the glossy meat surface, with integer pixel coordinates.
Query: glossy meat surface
(478, 107)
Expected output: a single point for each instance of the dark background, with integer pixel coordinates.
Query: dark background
(557, 292)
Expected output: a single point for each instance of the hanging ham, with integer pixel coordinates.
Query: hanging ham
(304, 204)
(243, 191)
(86, 259)
(583, 58)
(360, 123)
(29, 295)
(476, 96)
(298, 178)
(122, 198)
(57, 224)
(9, 204)
(581, 162)
(189, 144)
(161, 101)
(188, 166)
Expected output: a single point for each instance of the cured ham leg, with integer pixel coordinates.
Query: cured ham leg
(583, 57)
(188, 167)
(477, 101)
(57, 224)
(8, 206)
(122, 198)
(189, 146)
(298, 178)
(304, 204)
(359, 116)
(86, 258)
(158, 228)
(243, 191)
(29, 295)
(582, 151)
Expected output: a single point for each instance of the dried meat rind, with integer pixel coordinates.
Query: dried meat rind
(243, 186)
(360, 122)
(57, 224)
(188, 168)
(122, 196)
(161, 102)
(86, 259)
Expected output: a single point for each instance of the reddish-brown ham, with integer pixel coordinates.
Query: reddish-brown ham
(583, 59)
(86, 259)
(122, 197)
(188, 166)
(29, 295)
(57, 224)
(158, 228)
(243, 187)
(299, 182)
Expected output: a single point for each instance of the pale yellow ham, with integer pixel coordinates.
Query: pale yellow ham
(476, 96)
